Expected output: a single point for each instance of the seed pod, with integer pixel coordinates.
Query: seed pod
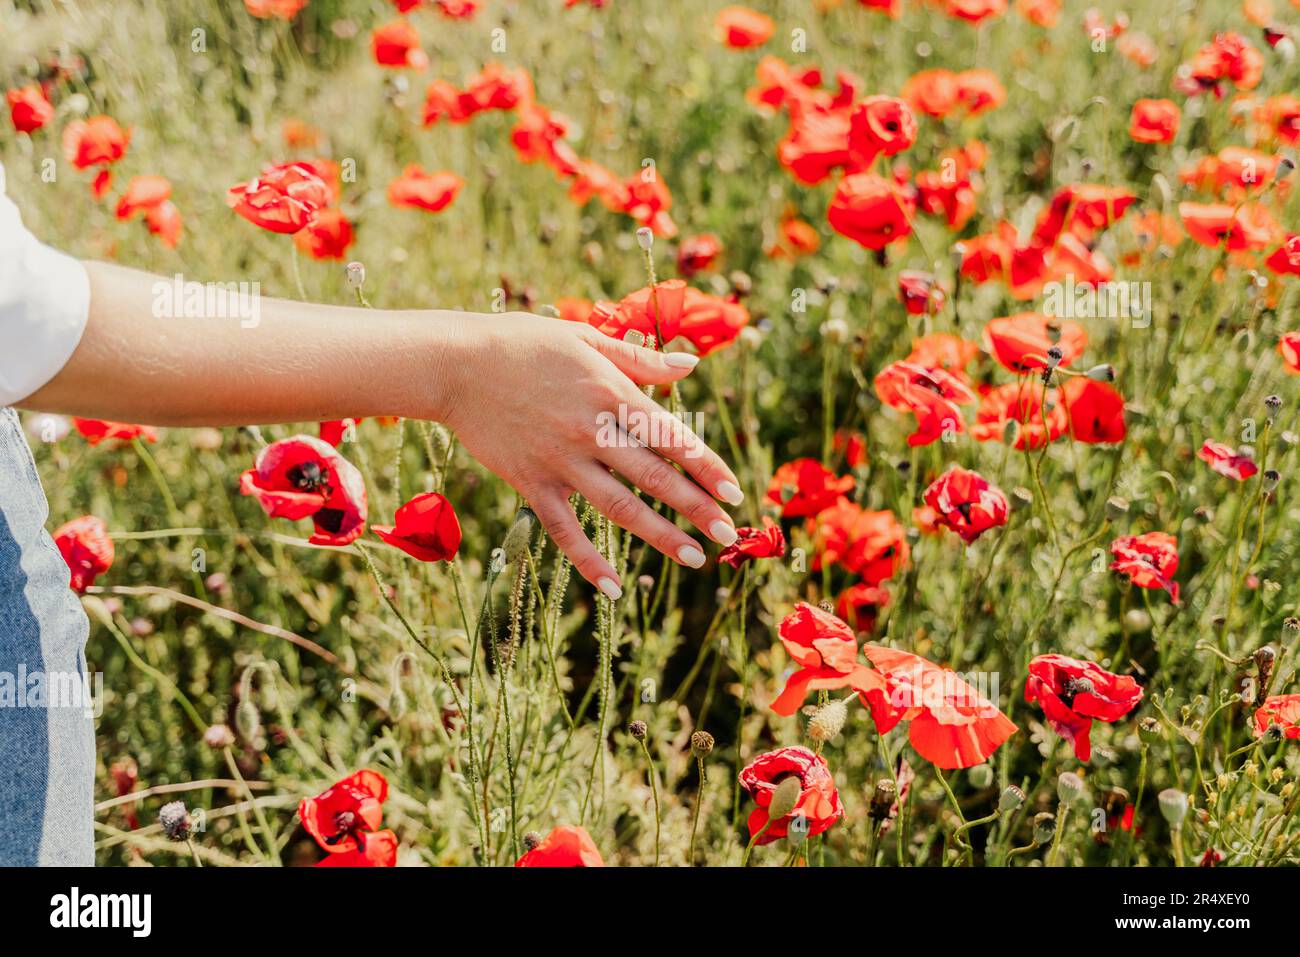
(174, 818)
(882, 799)
(645, 238)
(1070, 788)
(701, 744)
(1011, 799)
(1116, 508)
(637, 729)
(1044, 827)
(1101, 373)
(1173, 805)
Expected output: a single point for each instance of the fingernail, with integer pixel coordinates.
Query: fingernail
(690, 556)
(724, 533)
(610, 588)
(681, 360)
(730, 493)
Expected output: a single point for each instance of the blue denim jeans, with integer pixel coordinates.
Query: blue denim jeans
(47, 743)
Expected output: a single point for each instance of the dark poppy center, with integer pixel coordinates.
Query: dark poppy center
(309, 476)
(345, 824)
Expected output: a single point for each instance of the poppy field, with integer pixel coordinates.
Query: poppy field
(995, 306)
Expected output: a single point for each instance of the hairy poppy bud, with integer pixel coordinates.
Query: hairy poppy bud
(784, 799)
(701, 744)
(1101, 373)
(828, 721)
(882, 799)
(520, 537)
(1116, 508)
(356, 274)
(1173, 805)
(1070, 788)
(174, 818)
(645, 238)
(531, 840)
(981, 776)
(1044, 827)
(1011, 799)
(637, 729)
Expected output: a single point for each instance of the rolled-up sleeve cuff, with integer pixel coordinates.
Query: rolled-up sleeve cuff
(44, 305)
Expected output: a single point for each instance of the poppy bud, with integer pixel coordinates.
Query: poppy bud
(1288, 440)
(1010, 431)
(828, 721)
(1204, 514)
(1054, 356)
(1272, 405)
(1070, 788)
(1287, 165)
(981, 775)
(637, 729)
(784, 798)
(219, 736)
(645, 582)
(701, 744)
(750, 337)
(1102, 373)
(645, 238)
(356, 274)
(1173, 805)
(882, 799)
(835, 330)
(1011, 799)
(741, 284)
(958, 255)
(1021, 497)
(174, 818)
(1044, 827)
(531, 840)
(520, 537)
(1116, 508)
(248, 721)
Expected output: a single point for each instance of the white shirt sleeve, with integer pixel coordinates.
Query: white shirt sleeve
(44, 304)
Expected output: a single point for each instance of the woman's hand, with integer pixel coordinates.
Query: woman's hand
(553, 406)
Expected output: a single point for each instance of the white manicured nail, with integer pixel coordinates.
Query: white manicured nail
(690, 556)
(610, 588)
(730, 493)
(681, 360)
(724, 533)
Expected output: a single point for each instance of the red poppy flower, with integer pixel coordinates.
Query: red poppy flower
(816, 144)
(880, 124)
(741, 27)
(932, 395)
(1074, 693)
(698, 253)
(305, 477)
(99, 430)
(818, 806)
(919, 292)
(951, 724)
(932, 92)
(795, 239)
(853, 445)
(648, 202)
(1021, 403)
(328, 236)
(805, 487)
(86, 547)
(333, 431)
(779, 82)
(1289, 348)
(859, 603)
(942, 350)
(1154, 121)
(28, 108)
(826, 651)
(164, 221)
(710, 323)
(1021, 342)
(1226, 462)
(1286, 259)
(1041, 13)
(97, 141)
(1149, 560)
(973, 11)
(378, 849)
(593, 180)
(497, 87)
(1281, 115)
(869, 210)
(279, 9)
(397, 45)
(1237, 227)
(1227, 57)
(458, 9)
(141, 193)
(652, 312)
(426, 528)
(1282, 710)
(538, 136)
(1082, 210)
(283, 199)
(966, 503)
(340, 815)
(871, 544)
(1096, 410)
(416, 189)
(979, 91)
(564, 847)
(751, 543)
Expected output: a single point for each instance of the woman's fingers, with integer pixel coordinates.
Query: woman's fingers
(553, 511)
(650, 425)
(656, 476)
(641, 365)
(625, 509)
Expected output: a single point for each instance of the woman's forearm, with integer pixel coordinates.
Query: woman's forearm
(158, 352)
